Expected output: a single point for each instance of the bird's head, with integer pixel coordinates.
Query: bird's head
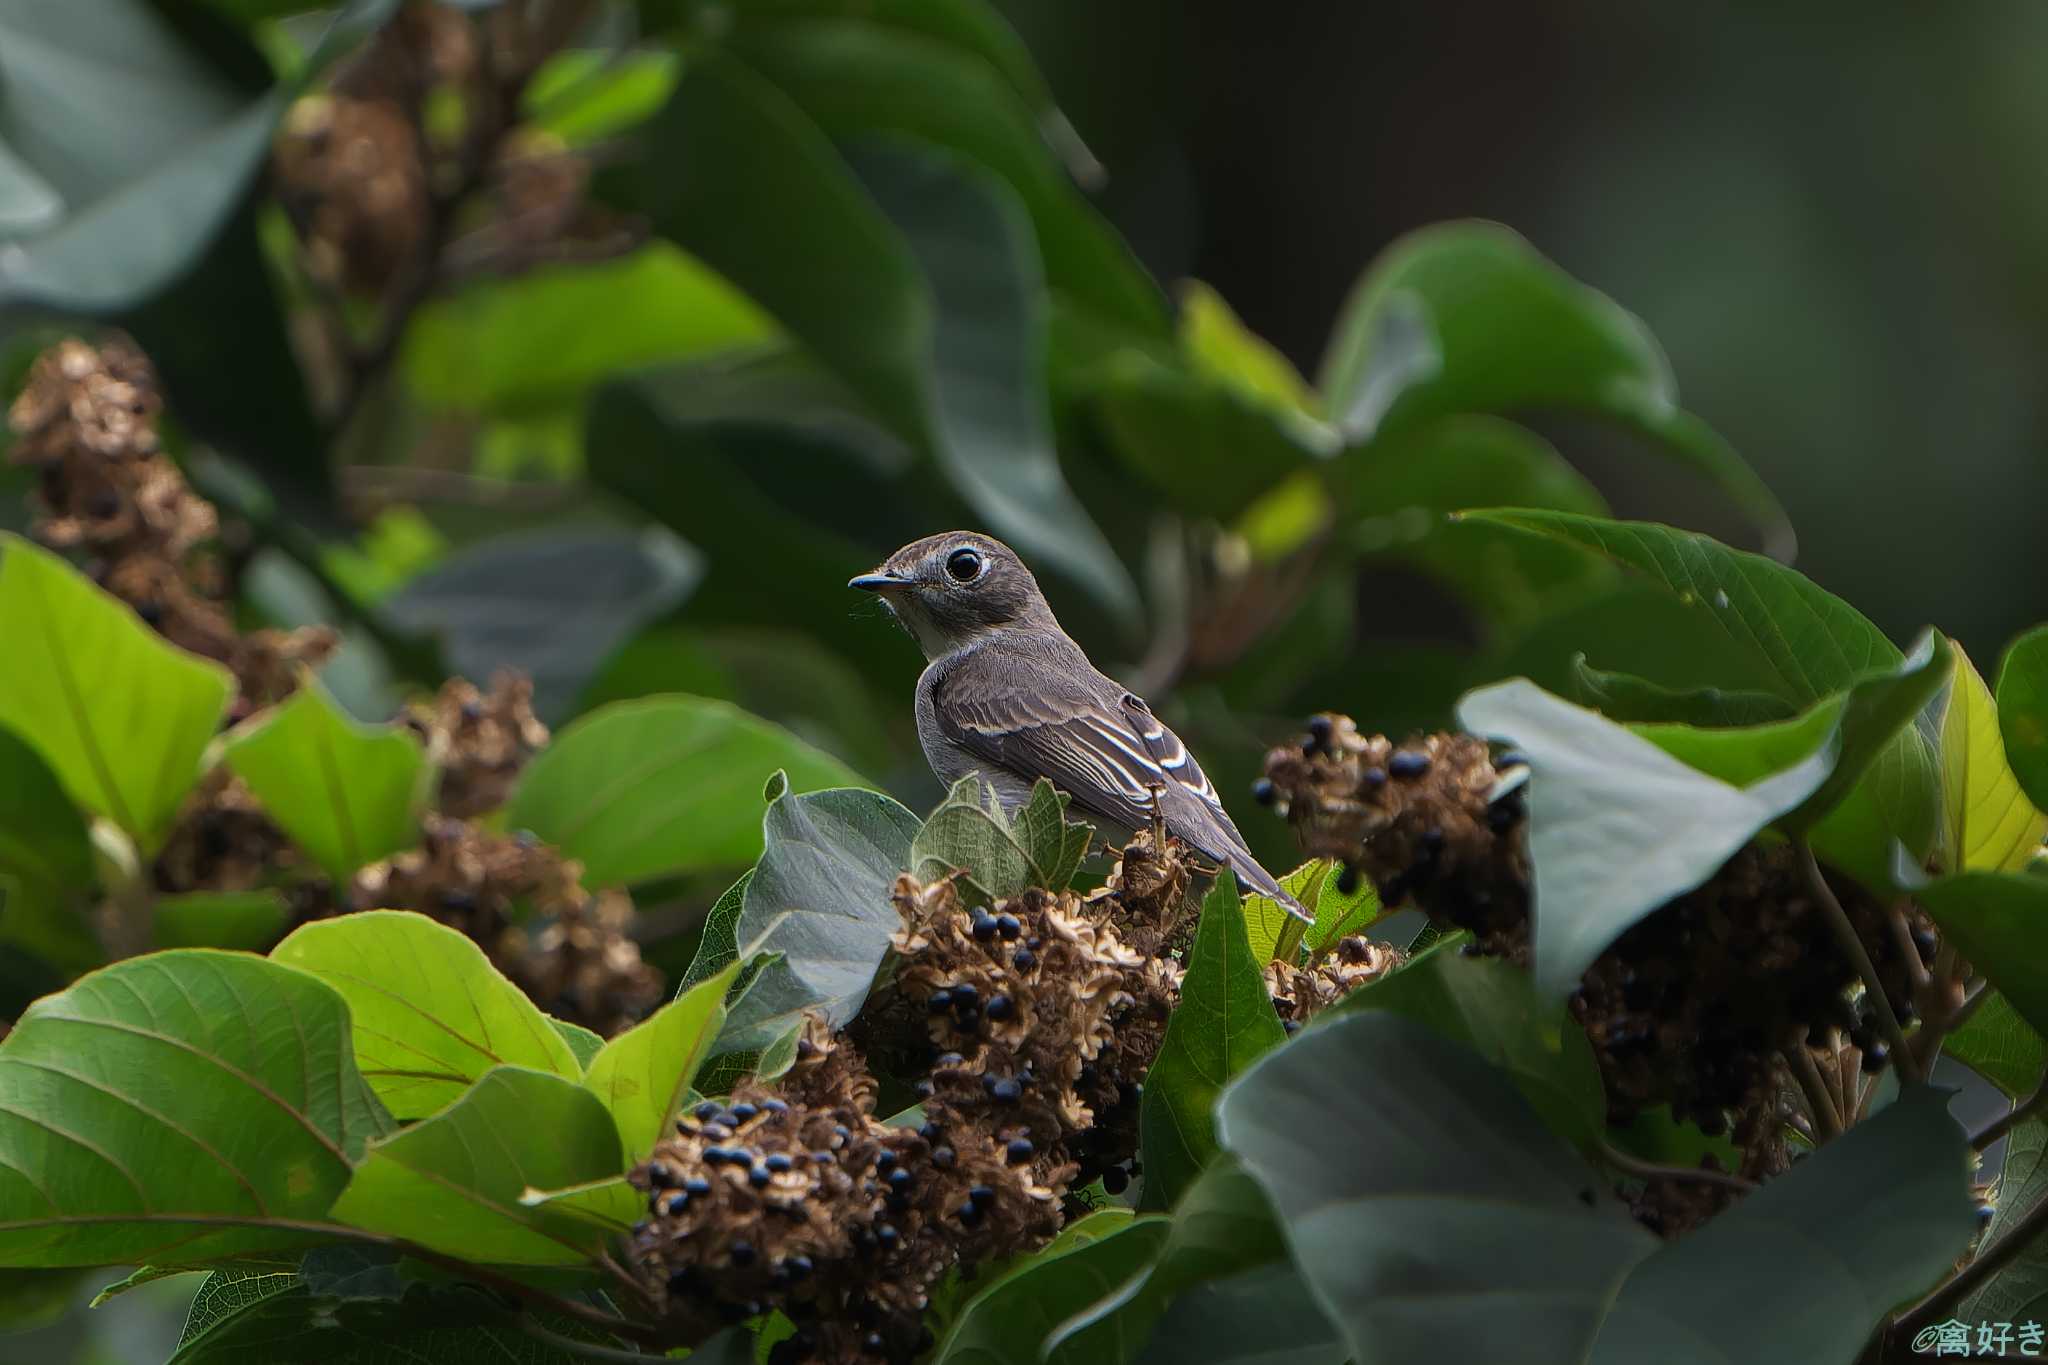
(949, 590)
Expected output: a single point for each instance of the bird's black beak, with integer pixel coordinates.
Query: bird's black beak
(878, 582)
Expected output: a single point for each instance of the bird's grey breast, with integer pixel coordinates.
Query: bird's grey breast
(950, 760)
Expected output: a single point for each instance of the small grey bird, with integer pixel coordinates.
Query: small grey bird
(1005, 693)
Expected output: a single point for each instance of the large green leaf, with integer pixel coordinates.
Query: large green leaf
(998, 852)
(192, 1103)
(1492, 1007)
(2000, 1046)
(1222, 1226)
(1998, 921)
(46, 861)
(1224, 1023)
(1009, 1322)
(1336, 913)
(1990, 824)
(553, 604)
(431, 1013)
(859, 80)
(1510, 1251)
(643, 1074)
(537, 339)
(1263, 1316)
(720, 945)
(1468, 317)
(2019, 1291)
(819, 897)
(453, 1182)
(120, 716)
(1625, 697)
(347, 793)
(2023, 711)
(661, 786)
(249, 920)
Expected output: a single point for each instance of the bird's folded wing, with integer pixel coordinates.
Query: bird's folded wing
(1107, 752)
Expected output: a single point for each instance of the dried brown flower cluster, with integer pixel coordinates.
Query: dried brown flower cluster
(85, 420)
(1694, 1007)
(479, 740)
(223, 841)
(1300, 993)
(525, 905)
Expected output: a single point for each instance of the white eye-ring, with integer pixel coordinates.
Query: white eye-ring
(965, 565)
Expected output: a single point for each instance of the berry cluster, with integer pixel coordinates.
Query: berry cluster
(1696, 1006)
(480, 741)
(525, 905)
(1300, 993)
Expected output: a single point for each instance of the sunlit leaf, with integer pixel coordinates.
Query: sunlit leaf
(643, 1074)
(2023, 711)
(1989, 822)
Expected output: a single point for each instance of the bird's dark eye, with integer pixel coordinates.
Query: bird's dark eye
(964, 566)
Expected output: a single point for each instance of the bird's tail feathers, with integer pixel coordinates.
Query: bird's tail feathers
(1257, 879)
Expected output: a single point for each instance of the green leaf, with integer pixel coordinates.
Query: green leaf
(2023, 711)
(583, 95)
(537, 339)
(128, 751)
(583, 1044)
(1224, 1022)
(2017, 1292)
(666, 785)
(1223, 1225)
(719, 947)
(2000, 1046)
(1517, 1235)
(1264, 1316)
(1467, 317)
(643, 1074)
(347, 793)
(1314, 885)
(819, 898)
(987, 403)
(1617, 826)
(190, 1104)
(1807, 642)
(431, 1013)
(1492, 1007)
(865, 83)
(248, 920)
(1625, 697)
(1000, 853)
(1220, 347)
(1990, 824)
(1009, 1322)
(46, 863)
(551, 603)
(1998, 921)
(452, 1183)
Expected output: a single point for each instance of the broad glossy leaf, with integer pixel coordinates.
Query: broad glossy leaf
(431, 1013)
(2023, 711)
(583, 1044)
(661, 786)
(1314, 884)
(1617, 826)
(347, 793)
(863, 82)
(2018, 1292)
(46, 862)
(820, 898)
(1998, 921)
(551, 603)
(998, 852)
(1224, 1023)
(1222, 1226)
(987, 404)
(1990, 824)
(719, 947)
(1348, 1129)
(1625, 697)
(643, 1074)
(543, 337)
(196, 1104)
(452, 1182)
(2000, 1046)
(120, 716)
(1264, 1316)
(247, 920)
(1009, 1322)
(1468, 317)
(1492, 1007)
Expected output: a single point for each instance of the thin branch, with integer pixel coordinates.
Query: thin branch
(1651, 1170)
(1852, 943)
(2005, 1123)
(1819, 1104)
(1988, 1262)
